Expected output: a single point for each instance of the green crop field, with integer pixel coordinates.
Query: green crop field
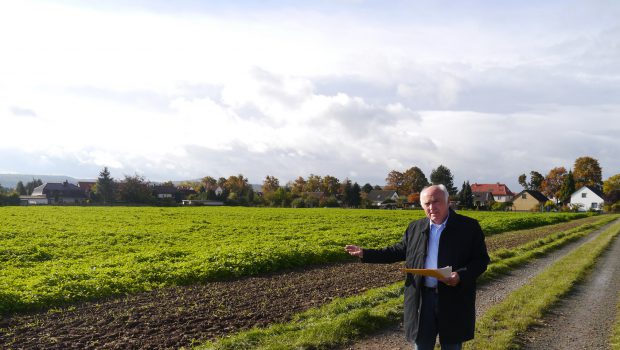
(55, 255)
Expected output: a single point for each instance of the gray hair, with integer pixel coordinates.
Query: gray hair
(442, 188)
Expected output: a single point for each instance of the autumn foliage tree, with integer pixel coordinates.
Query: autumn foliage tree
(395, 181)
(587, 172)
(553, 182)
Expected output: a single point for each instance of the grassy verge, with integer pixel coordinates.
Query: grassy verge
(614, 340)
(346, 319)
(501, 324)
(504, 260)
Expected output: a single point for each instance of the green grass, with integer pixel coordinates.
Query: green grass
(614, 339)
(347, 319)
(500, 325)
(51, 256)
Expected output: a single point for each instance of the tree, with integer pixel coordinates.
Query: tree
(20, 189)
(104, 188)
(298, 186)
(355, 198)
(330, 185)
(414, 198)
(209, 183)
(30, 186)
(466, 198)
(367, 188)
(414, 181)
(270, 184)
(567, 188)
(239, 185)
(536, 180)
(281, 197)
(135, 189)
(313, 184)
(523, 181)
(587, 172)
(611, 188)
(395, 180)
(553, 182)
(611, 184)
(442, 175)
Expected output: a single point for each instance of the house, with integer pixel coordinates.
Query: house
(587, 198)
(500, 192)
(482, 200)
(55, 193)
(86, 186)
(528, 200)
(378, 198)
(165, 192)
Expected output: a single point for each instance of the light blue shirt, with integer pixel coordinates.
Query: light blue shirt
(433, 252)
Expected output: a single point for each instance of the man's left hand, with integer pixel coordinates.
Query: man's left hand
(451, 281)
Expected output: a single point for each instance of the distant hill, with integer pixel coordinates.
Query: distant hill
(11, 180)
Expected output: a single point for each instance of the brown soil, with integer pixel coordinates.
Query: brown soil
(181, 316)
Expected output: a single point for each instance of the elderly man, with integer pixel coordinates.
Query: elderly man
(444, 307)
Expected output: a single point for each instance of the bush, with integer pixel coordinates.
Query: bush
(298, 203)
(500, 206)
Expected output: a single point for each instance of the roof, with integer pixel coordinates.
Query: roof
(593, 189)
(482, 196)
(497, 189)
(380, 195)
(65, 189)
(536, 194)
(165, 189)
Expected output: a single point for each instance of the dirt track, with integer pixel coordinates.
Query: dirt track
(175, 317)
(584, 318)
(486, 296)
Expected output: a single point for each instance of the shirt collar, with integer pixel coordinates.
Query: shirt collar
(443, 224)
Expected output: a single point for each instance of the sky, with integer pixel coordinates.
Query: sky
(349, 88)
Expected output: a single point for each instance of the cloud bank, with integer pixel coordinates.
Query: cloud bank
(347, 89)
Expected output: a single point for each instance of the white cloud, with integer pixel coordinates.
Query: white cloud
(356, 90)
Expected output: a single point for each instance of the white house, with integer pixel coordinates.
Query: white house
(588, 198)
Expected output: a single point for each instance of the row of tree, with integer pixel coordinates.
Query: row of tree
(316, 190)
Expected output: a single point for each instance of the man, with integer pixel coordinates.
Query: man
(444, 307)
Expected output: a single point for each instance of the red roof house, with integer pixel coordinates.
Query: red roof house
(500, 192)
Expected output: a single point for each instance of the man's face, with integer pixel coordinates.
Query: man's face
(434, 203)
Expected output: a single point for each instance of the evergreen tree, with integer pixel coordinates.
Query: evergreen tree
(465, 196)
(367, 188)
(442, 175)
(356, 197)
(105, 186)
(30, 186)
(347, 192)
(20, 189)
(568, 187)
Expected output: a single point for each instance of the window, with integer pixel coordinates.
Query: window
(583, 195)
(524, 196)
(594, 205)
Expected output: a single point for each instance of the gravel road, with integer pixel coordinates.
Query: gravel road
(584, 318)
(496, 290)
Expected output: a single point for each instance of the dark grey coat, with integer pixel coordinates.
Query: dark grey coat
(461, 246)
